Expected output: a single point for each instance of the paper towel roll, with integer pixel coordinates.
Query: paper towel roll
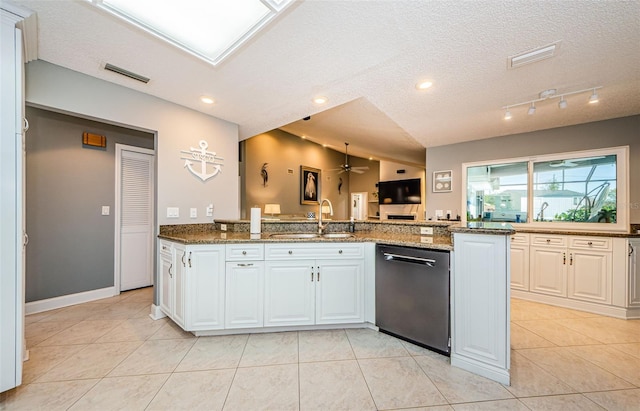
(255, 221)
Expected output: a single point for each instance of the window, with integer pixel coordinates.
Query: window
(580, 190)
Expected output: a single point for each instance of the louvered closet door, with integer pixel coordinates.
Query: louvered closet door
(136, 219)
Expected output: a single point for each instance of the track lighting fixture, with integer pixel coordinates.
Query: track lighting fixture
(562, 103)
(551, 94)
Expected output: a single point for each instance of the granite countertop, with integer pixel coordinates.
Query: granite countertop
(223, 237)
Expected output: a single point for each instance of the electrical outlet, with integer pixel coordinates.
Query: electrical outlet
(439, 213)
(426, 240)
(105, 210)
(173, 212)
(426, 230)
(223, 227)
(193, 212)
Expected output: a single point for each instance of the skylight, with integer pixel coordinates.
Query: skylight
(208, 29)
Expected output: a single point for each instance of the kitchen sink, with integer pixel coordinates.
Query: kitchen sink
(295, 235)
(310, 235)
(338, 235)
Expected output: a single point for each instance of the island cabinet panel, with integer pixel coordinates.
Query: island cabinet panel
(205, 287)
(480, 305)
(590, 276)
(165, 278)
(520, 262)
(179, 291)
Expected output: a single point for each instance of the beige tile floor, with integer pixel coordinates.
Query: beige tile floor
(109, 355)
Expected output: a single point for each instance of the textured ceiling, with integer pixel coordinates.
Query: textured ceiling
(366, 57)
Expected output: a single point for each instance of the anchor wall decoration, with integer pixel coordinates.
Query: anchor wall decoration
(204, 157)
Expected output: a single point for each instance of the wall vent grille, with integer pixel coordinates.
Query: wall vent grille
(127, 73)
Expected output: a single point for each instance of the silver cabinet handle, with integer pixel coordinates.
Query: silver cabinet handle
(570, 258)
(318, 273)
(26, 240)
(339, 251)
(170, 265)
(183, 263)
(26, 125)
(189, 259)
(630, 250)
(245, 265)
(311, 274)
(564, 258)
(244, 253)
(290, 252)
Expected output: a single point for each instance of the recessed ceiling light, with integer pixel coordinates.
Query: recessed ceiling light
(207, 100)
(370, 158)
(324, 145)
(320, 100)
(424, 85)
(303, 137)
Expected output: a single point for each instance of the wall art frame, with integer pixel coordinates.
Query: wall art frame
(309, 185)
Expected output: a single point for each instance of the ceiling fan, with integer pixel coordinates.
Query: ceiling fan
(346, 167)
(573, 162)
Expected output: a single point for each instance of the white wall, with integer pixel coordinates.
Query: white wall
(177, 128)
(389, 171)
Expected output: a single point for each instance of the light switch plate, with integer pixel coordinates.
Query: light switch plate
(426, 240)
(193, 212)
(173, 212)
(105, 210)
(210, 210)
(439, 213)
(223, 227)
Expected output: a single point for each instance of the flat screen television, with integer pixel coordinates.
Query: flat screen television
(400, 191)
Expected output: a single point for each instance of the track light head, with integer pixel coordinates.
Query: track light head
(594, 97)
(562, 103)
(507, 115)
(532, 109)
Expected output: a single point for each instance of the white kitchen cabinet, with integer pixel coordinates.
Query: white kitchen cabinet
(204, 287)
(340, 292)
(179, 291)
(589, 276)
(244, 294)
(289, 293)
(548, 270)
(303, 289)
(634, 273)
(165, 279)
(520, 262)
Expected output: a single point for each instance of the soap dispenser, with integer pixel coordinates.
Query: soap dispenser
(352, 225)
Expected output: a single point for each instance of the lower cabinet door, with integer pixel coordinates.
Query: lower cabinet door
(179, 285)
(590, 276)
(289, 293)
(548, 270)
(340, 292)
(165, 283)
(244, 294)
(205, 292)
(520, 267)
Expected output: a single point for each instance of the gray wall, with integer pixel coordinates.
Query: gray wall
(285, 151)
(601, 134)
(71, 245)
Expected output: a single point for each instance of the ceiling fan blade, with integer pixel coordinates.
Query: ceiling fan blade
(355, 170)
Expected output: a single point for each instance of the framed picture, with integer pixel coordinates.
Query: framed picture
(442, 181)
(309, 185)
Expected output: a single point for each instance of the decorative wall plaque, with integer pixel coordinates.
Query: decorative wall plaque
(207, 159)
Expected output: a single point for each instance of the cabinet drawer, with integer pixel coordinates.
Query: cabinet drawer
(550, 240)
(165, 247)
(313, 251)
(240, 252)
(590, 243)
(520, 239)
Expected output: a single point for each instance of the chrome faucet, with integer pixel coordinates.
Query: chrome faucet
(320, 226)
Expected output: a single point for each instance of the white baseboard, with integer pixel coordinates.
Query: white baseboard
(67, 300)
(156, 313)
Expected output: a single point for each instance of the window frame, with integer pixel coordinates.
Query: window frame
(622, 190)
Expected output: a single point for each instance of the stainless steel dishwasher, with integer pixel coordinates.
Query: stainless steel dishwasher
(412, 295)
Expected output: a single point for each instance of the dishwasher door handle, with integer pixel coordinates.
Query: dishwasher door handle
(409, 259)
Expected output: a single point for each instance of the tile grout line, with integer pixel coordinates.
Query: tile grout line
(235, 372)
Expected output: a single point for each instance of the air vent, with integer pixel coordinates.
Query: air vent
(531, 56)
(127, 73)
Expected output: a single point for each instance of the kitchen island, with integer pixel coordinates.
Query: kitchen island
(215, 282)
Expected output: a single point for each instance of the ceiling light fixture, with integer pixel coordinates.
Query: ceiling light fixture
(551, 94)
(207, 100)
(320, 100)
(424, 85)
(562, 103)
